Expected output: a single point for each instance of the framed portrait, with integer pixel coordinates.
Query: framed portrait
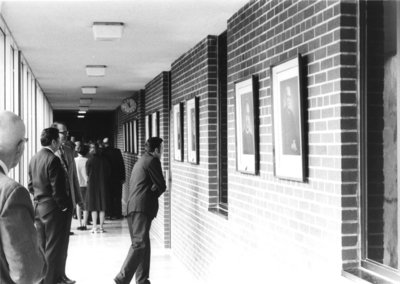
(155, 130)
(147, 127)
(288, 127)
(178, 132)
(246, 100)
(125, 133)
(129, 135)
(135, 137)
(192, 119)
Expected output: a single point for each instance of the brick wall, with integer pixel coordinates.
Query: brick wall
(194, 186)
(129, 158)
(157, 99)
(273, 224)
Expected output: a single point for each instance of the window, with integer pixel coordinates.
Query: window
(2, 70)
(379, 99)
(222, 124)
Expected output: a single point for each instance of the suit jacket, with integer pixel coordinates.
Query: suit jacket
(21, 259)
(147, 183)
(116, 161)
(69, 155)
(47, 182)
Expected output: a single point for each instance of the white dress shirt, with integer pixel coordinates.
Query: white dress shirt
(4, 167)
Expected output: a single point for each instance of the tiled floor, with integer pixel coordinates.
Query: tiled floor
(97, 258)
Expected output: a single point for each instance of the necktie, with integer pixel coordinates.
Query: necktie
(63, 160)
(65, 166)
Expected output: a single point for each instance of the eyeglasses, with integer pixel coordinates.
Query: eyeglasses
(23, 141)
(64, 132)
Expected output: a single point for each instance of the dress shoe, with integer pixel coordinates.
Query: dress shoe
(66, 280)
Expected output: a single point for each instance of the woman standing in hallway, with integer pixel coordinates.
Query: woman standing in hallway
(98, 172)
(80, 162)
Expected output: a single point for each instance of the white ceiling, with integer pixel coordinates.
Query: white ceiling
(57, 41)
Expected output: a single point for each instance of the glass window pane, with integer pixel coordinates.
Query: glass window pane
(2, 70)
(382, 63)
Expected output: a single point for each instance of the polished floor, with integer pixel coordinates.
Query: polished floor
(97, 258)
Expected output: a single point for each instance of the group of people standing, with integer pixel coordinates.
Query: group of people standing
(34, 238)
(101, 174)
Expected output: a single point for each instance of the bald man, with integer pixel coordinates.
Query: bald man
(21, 259)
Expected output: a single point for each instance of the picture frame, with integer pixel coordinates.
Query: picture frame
(135, 137)
(178, 132)
(288, 120)
(192, 122)
(125, 133)
(129, 135)
(246, 106)
(155, 122)
(147, 127)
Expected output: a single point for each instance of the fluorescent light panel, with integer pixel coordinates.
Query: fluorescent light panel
(89, 90)
(96, 70)
(85, 101)
(82, 112)
(107, 31)
(83, 108)
(80, 116)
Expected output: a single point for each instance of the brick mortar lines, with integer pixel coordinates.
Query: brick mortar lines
(291, 37)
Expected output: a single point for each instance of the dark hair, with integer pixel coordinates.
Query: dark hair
(48, 135)
(56, 123)
(153, 143)
(83, 149)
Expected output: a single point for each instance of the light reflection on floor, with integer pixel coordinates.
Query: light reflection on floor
(97, 258)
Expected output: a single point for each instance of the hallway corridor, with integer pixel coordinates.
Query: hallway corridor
(96, 258)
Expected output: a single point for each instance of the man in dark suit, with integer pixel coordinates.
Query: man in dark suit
(47, 184)
(67, 158)
(116, 161)
(21, 258)
(146, 185)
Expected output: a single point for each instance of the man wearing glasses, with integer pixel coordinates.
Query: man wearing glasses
(21, 259)
(47, 183)
(67, 157)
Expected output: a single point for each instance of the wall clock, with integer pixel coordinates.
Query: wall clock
(129, 105)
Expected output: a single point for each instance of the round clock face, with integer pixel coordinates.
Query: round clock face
(129, 105)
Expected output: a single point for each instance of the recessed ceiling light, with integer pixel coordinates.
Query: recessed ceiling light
(96, 70)
(85, 102)
(89, 90)
(107, 30)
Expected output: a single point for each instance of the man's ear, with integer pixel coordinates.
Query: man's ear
(20, 148)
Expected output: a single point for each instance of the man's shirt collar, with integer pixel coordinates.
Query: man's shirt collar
(4, 167)
(48, 147)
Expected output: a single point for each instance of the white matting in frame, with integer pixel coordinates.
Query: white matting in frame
(178, 132)
(246, 126)
(288, 120)
(147, 127)
(155, 124)
(192, 108)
